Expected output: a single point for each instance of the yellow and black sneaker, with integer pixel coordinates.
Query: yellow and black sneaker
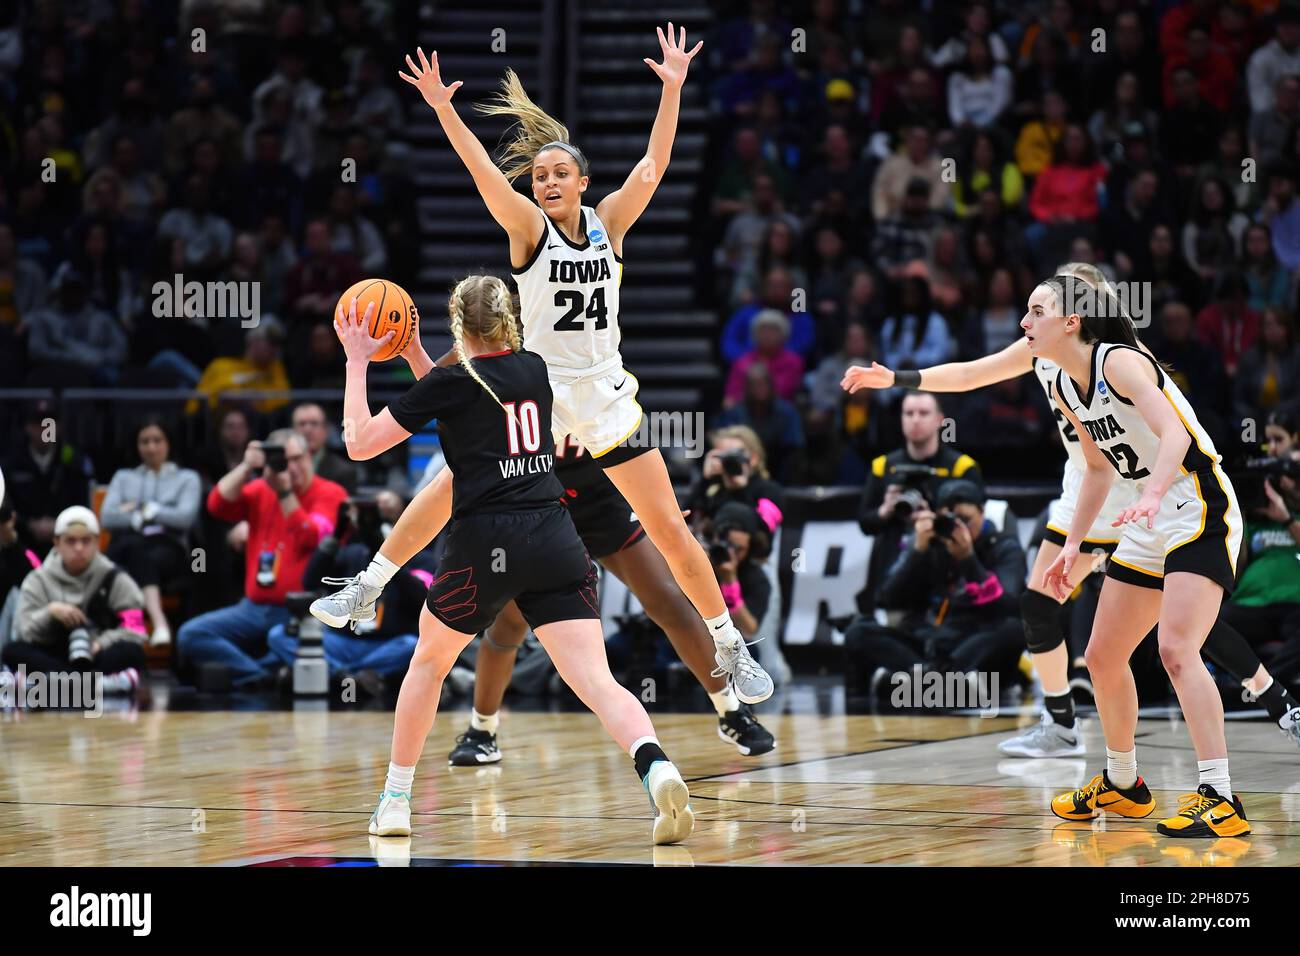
(1206, 815)
(1100, 795)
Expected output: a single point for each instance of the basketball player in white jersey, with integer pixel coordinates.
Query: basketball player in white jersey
(1175, 561)
(1057, 735)
(567, 261)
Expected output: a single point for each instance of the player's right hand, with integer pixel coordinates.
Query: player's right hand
(1057, 576)
(428, 80)
(857, 377)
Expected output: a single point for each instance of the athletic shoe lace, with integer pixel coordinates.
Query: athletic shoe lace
(738, 664)
(1091, 790)
(348, 587)
(1192, 805)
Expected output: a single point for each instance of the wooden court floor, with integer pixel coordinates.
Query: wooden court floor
(222, 788)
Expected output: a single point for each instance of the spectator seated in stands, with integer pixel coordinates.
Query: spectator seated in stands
(908, 235)
(258, 369)
(773, 419)
(1268, 373)
(378, 652)
(958, 582)
(72, 338)
(45, 476)
(1265, 606)
(778, 287)
(288, 509)
(79, 611)
(1065, 200)
(906, 482)
(16, 562)
(770, 331)
(151, 510)
(310, 422)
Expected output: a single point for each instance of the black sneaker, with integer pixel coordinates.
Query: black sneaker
(741, 728)
(474, 748)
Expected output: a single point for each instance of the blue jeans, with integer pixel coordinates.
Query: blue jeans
(346, 652)
(230, 636)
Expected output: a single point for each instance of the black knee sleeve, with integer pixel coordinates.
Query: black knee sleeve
(1225, 646)
(1042, 619)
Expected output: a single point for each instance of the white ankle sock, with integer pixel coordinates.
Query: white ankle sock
(725, 701)
(379, 572)
(399, 779)
(719, 626)
(1215, 773)
(1122, 768)
(486, 722)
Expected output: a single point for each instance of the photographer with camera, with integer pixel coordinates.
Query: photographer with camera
(79, 611)
(959, 580)
(378, 651)
(1265, 605)
(735, 470)
(289, 510)
(903, 483)
(738, 542)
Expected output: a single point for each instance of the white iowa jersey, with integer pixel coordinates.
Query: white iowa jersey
(1046, 373)
(568, 296)
(1117, 427)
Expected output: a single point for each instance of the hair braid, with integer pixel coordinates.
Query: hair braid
(456, 314)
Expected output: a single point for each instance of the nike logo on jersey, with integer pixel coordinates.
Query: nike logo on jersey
(620, 385)
(553, 245)
(1180, 505)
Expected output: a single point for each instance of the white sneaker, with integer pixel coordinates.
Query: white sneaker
(1048, 739)
(1289, 724)
(752, 684)
(353, 603)
(393, 815)
(674, 819)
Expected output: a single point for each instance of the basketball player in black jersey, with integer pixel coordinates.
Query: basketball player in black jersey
(510, 540)
(616, 539)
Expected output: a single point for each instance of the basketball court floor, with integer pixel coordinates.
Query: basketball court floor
(295, 788)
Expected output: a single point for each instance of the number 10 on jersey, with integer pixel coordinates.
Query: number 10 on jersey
(523, 417)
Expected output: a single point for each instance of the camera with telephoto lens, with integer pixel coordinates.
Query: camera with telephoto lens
(1274, 467)
(275, 458)
(913, 479)
(944, 525)
(734, 462)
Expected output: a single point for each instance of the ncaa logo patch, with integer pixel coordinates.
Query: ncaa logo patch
(596, 235)
(1101, 387)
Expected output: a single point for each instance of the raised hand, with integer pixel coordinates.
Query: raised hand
(857, 377)
(428, 80)
(358, 346)
(676, 60)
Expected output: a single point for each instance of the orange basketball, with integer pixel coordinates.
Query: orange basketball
(394, 312)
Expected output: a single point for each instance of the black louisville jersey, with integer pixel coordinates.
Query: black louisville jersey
(601, 514)
(501, 462)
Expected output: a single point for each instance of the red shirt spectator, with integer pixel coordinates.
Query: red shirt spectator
(1228, 327)
(1067, 192)
(291, 538)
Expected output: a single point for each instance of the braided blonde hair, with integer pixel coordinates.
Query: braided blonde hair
(537, 128)
(481, 306)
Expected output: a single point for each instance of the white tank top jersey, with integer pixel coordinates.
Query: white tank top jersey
(568, 297)
(1117, 427)
(1046, 373)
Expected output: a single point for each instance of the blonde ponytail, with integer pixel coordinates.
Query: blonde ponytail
(536, 129)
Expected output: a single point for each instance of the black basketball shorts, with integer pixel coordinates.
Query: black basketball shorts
(534, 558)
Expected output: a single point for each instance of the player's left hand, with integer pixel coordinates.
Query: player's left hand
(358, 346)
(676, 60)
(1147, 506)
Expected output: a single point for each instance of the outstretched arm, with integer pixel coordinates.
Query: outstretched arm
(364, 435)
(1012, 361)
(514, 213)
(621, 208)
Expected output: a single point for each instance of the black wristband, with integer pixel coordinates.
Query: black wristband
(908, 378)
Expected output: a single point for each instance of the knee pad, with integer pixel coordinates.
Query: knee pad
(1042, 619)
(504, 648)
